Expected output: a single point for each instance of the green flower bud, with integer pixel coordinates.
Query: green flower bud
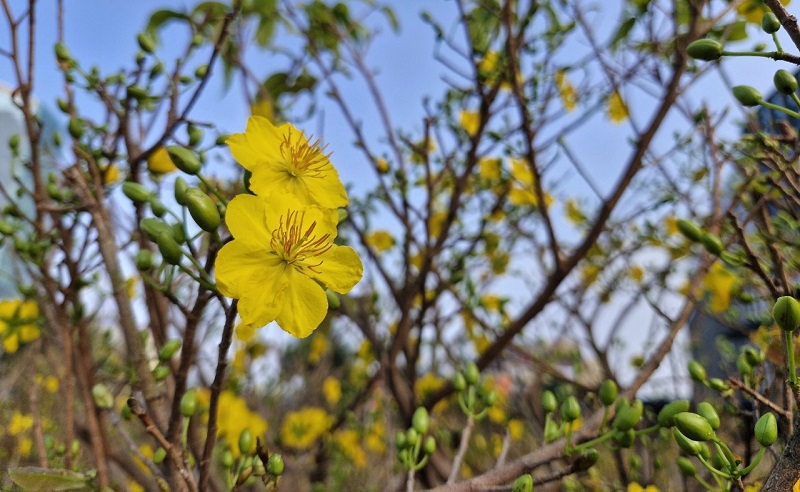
(785, 82)
(227, 459)
(608, 392)
(430, 445)
(472, 374)
(57, 139)
(712, 243)
(169, 248)
(245, 441)
(189, 403)
(197, 39)
(718, 385)
(203, 210)
(62, 53)
(334, 302)
(705, 49)
(160, 373)
(180, 190)
(169, 349)
(697, 371)
(201, 71)
(523, 483)
(743, 365)
(551, 431)
(275, 465)
(159, 456)
(13, 143)
(624, 439)
(753, 356)
(770, 23)
(157, 206)
(157, 70)
(766, 429)
(195, 135)
(400, 440)
(686, 466)
(490, 398)
(459, 382)
(706, 410)
(689, 446)
(102, 396)
(420, 420)
(75, 128)
(549, 402)
(786, 313)
(135, 92)
(747, 96)
(63, 105)
(690, 229)
(412, 437)
(628, 416)
(184, 159)
(146, 42)
(694, 426)
(153, 227)
(570, 409)
(222, 140)
(667, 414)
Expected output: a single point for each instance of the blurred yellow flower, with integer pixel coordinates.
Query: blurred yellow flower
(719, 283)
(754, 10)
(489, 168)
(19, 423)
(18, 323)
(380, 240)
(516, 429)
(302, 429)
(332, 390)
(569, 96)
(348, 442)
(636, 273)
(286, 165)
(469, 121)
(376, 438)
(616, 109)
(234, 417)
(110, 174)
(263, 107)
(282, 251)
(635, 487)
(160, 163)
(319, 345)
(25, 446)
(523, 191)
(574, 213)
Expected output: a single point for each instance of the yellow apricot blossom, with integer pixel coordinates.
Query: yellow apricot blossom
(302, 429)
(616, 108)
(350, 445)
(285, 164)
(380, 240)
(523, 191)
(332, 390)
(720, 283)
(281, 250)
(569, 96)
(18, 323)
(469, 121)
(234, 417)
(160, 163)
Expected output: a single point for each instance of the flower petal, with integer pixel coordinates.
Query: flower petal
(256, 145)
(237, 262)
(341, 269)
(246, 219)
(325, 188)
(304, 305)
(262, 296)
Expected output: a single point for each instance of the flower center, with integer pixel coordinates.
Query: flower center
(303, 158)
(296, 244)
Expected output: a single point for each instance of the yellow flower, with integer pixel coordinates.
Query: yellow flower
(160, 163)
(348, 442)
(319, 345)
(523, 191)
(469, 121)
(332, 390)
(616, 109)
(234, 417)
(284, 164)
(280, 251)
(671, 224)
(376, 439)
(19, 423)
(635, 487)
(636, 273)
(263, 107)
(380, 240)
(110, 174)
(754, 10)
(569, 97)
(574, 213)
(719, 283)
(245, 333)
(516, 429)
(18, 323)
(301, 429)
(25, 446)
(489, 168)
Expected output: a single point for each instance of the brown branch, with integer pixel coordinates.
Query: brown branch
(788, 21)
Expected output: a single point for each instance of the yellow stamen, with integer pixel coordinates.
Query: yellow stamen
(294, 246)
(308, 159)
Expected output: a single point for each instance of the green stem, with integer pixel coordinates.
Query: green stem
(724, 449)
(790, 353)
(762, 54)
(597, 440)
(714, 470)
(705, 484)
(648, 430)
(213, 189)
(796, 99)
(754, 463)
(769, 105)
(777, 42)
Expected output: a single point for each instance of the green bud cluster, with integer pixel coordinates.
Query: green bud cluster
(474, 398)
(413, 447)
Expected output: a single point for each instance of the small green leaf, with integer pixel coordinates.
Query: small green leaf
(47, 479)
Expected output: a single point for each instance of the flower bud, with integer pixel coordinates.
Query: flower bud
(459, 382)
(430, 445)
(169, 248)
(153, 227)
(13, 143)
(136, 192)
(146, 42)
(159, 456)
(135, 92)
(157, 206)
(245, 441)
(697, 371)
(570, 409)
(189, 403)
(184, 159)
(472, 374)
(690, 229)
(705, 49)
(160, 373)
(75, 128)
(667, 414)
(706, 410)
(169, 349)
(549, 402)
(275, 465)
(203, 209)
(400, 440)
(523, 483)
(63, 105)
(686, 466)
(334, 302)
(102, 396)
(62, 53)
(753, 356)
(718, 384)
(743, 365)
(227, 459)
(195, 135)
(694, 426)
(747, 96)
(628, 416)
(785, 82)
(420, 420)
(766, 429)
(608, 392)
(412, 437)
(201, 71)
(624, 439)
(712, 243)
(786, 313)
(180, 190)
(689, 446)
(551, 431)
(770, 23)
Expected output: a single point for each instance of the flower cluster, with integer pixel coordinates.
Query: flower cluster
(19, 323)
(283, 254)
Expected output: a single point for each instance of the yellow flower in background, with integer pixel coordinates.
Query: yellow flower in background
(616, 108)
(569, 96)
(469, 121)
(375, 440)
(19, 423)
(349, 444)
(754, 10)
(245, 333)
(636, 273)
(18, 323)
(332, 390)
(286, 165)
(516, 430)
(25, 446)
(234, 417)
(635, 487)
(281, 249)
(160, 163)
(719, 283)
(489, 168)
(671, 224)
(380, 240)
(523, 191)
(303, 428)
(574, 213)
(110, 174)
(263, 107)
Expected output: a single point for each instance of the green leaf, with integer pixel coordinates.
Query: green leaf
(161, 17)
(622, 32)
(391, 17)
(46, 479)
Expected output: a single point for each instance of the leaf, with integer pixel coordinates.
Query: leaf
(391, 17)
(47, 479)
(161, 17)
(622, 33)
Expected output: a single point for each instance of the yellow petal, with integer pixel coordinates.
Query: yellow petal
(264, 293)
(246, 218)
(341, 269)
(469, 121)
(160, 163)
(304, 306)
(617, 109)
(236, 263)
(259, 143)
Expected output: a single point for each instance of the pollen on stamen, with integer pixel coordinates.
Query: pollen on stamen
(308, 159)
